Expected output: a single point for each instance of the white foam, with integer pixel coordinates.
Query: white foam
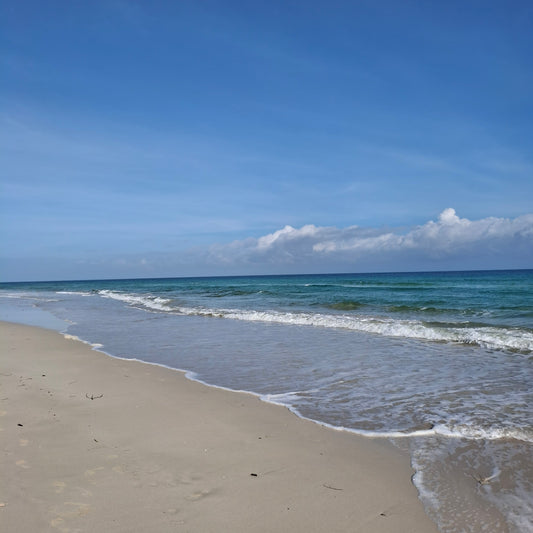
(440, 464)
(95, 346)
(285, 399)
(26, 296)
(495, 338)
(478, 433)
(490, 337)
(75, 293)
(453, 432)
(151, 302)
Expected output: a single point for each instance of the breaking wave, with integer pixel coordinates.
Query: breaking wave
(493, 337)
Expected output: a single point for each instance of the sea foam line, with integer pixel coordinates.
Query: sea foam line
(443, 430)
(487, 336)
(286, 399)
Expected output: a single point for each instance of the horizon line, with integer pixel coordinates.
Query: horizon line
(274, 275)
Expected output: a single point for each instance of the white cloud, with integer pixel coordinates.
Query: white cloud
(449, 239)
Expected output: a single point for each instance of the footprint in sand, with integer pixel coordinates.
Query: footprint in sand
(23, 442)
(200, 494)
(80, 510)
(86, 493)
(59, 486)
(22, 463)
(56, 522)
(92, 471)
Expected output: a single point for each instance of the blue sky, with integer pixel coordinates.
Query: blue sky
(204, 138)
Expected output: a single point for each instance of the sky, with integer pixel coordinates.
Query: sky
(182, 138)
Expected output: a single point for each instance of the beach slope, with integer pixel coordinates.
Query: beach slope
(94, 443)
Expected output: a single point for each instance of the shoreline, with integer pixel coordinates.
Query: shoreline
(265, 398)
(93, 442)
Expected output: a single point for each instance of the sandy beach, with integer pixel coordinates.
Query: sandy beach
(93, 443)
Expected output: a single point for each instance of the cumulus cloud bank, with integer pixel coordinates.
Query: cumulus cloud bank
(450, 240)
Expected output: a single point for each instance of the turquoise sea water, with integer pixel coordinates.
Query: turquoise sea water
(442, 363)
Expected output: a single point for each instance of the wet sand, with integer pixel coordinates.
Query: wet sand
(93, 443)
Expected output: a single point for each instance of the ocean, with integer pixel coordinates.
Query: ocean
(440, 363)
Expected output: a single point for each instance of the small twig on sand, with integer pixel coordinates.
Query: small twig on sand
(330, 487)
(482, 480)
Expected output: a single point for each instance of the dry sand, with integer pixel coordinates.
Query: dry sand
(92, 443)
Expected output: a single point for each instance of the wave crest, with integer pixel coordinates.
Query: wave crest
(492, 337)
